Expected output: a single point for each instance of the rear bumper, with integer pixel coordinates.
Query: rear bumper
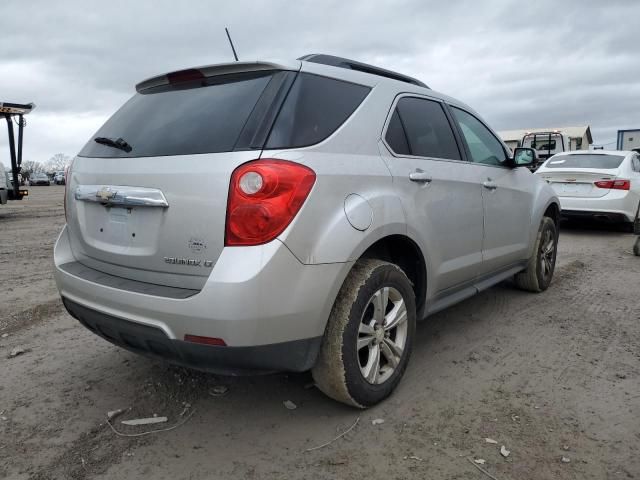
(297, 356)
(616, 205)
(255, 297)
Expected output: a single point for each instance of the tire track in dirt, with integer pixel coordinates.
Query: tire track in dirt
(14, 322)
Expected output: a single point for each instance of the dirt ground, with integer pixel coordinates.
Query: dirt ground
(546, 376)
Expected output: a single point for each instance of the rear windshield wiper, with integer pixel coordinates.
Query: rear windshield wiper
(119, 143)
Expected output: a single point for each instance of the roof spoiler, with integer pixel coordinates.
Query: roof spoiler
(210, 71)
(360, 67)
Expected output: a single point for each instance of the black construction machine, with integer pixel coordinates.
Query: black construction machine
(14, 113)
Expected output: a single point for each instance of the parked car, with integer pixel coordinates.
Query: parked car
(597, 184)
(39, 179)
(58, 178)
(326, 206)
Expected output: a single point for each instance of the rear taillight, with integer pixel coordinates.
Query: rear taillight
(614, 184)
(67, 171)
(264, 196)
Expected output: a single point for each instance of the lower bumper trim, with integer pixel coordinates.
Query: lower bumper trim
(602, 216)
(293, 356)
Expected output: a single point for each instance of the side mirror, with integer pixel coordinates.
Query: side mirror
(524, 157)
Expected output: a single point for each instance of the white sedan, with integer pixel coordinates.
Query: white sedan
(598, 184)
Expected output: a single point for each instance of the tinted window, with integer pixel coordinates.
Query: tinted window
(176, 120)
(427, 129)
(636, 163)
(395, 137)
(314, 109)
(592, 160)
(483, 146)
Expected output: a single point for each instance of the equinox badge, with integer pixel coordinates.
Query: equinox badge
(192, 262)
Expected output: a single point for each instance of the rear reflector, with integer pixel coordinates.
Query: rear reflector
(614, 184)
(205, 340)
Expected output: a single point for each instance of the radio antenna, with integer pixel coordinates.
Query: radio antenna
(231, 43)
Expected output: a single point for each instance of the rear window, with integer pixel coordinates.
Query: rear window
(183, 121)
(544, 145)
(314, 108)
(585, 161)
(542, 141)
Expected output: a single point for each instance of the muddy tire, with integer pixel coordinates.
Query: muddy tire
(369, 335)
(636, 247)
(539, 272)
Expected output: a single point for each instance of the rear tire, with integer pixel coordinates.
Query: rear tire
(369, 335)
(539, 272)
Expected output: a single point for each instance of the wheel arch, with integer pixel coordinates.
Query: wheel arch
(401, 250)
(553, 212)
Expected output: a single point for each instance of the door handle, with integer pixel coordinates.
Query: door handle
(420, 177)
(489, 185)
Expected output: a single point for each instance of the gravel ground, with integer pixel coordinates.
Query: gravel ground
(546, 376)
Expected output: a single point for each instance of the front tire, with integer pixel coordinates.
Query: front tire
(539, 272)
(369, 335)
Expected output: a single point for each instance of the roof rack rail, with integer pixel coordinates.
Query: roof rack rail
(360, 67)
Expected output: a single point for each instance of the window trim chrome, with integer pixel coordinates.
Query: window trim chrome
(121, 196)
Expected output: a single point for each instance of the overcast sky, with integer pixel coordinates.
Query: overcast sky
(520, 64)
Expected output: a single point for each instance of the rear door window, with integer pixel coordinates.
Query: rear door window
(425, 128)
(182, 120)
(396, 136)
(314, 108)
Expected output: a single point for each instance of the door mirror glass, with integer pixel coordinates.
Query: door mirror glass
(524, 157)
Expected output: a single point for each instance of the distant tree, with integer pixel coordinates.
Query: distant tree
(29, 167)
(58, 162)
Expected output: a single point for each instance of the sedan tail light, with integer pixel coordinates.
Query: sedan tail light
(614, 184)
(264, 197)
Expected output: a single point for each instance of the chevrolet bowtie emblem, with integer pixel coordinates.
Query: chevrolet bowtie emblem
(105, 194)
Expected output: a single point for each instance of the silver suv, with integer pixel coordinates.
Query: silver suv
(254, 217)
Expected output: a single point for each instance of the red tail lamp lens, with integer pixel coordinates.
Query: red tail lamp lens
(264, 197)
(614, 184)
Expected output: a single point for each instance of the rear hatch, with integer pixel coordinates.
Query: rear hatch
(575, 175)
(146, 197)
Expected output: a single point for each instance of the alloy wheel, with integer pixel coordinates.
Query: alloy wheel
(382, 335)
(547, 254)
